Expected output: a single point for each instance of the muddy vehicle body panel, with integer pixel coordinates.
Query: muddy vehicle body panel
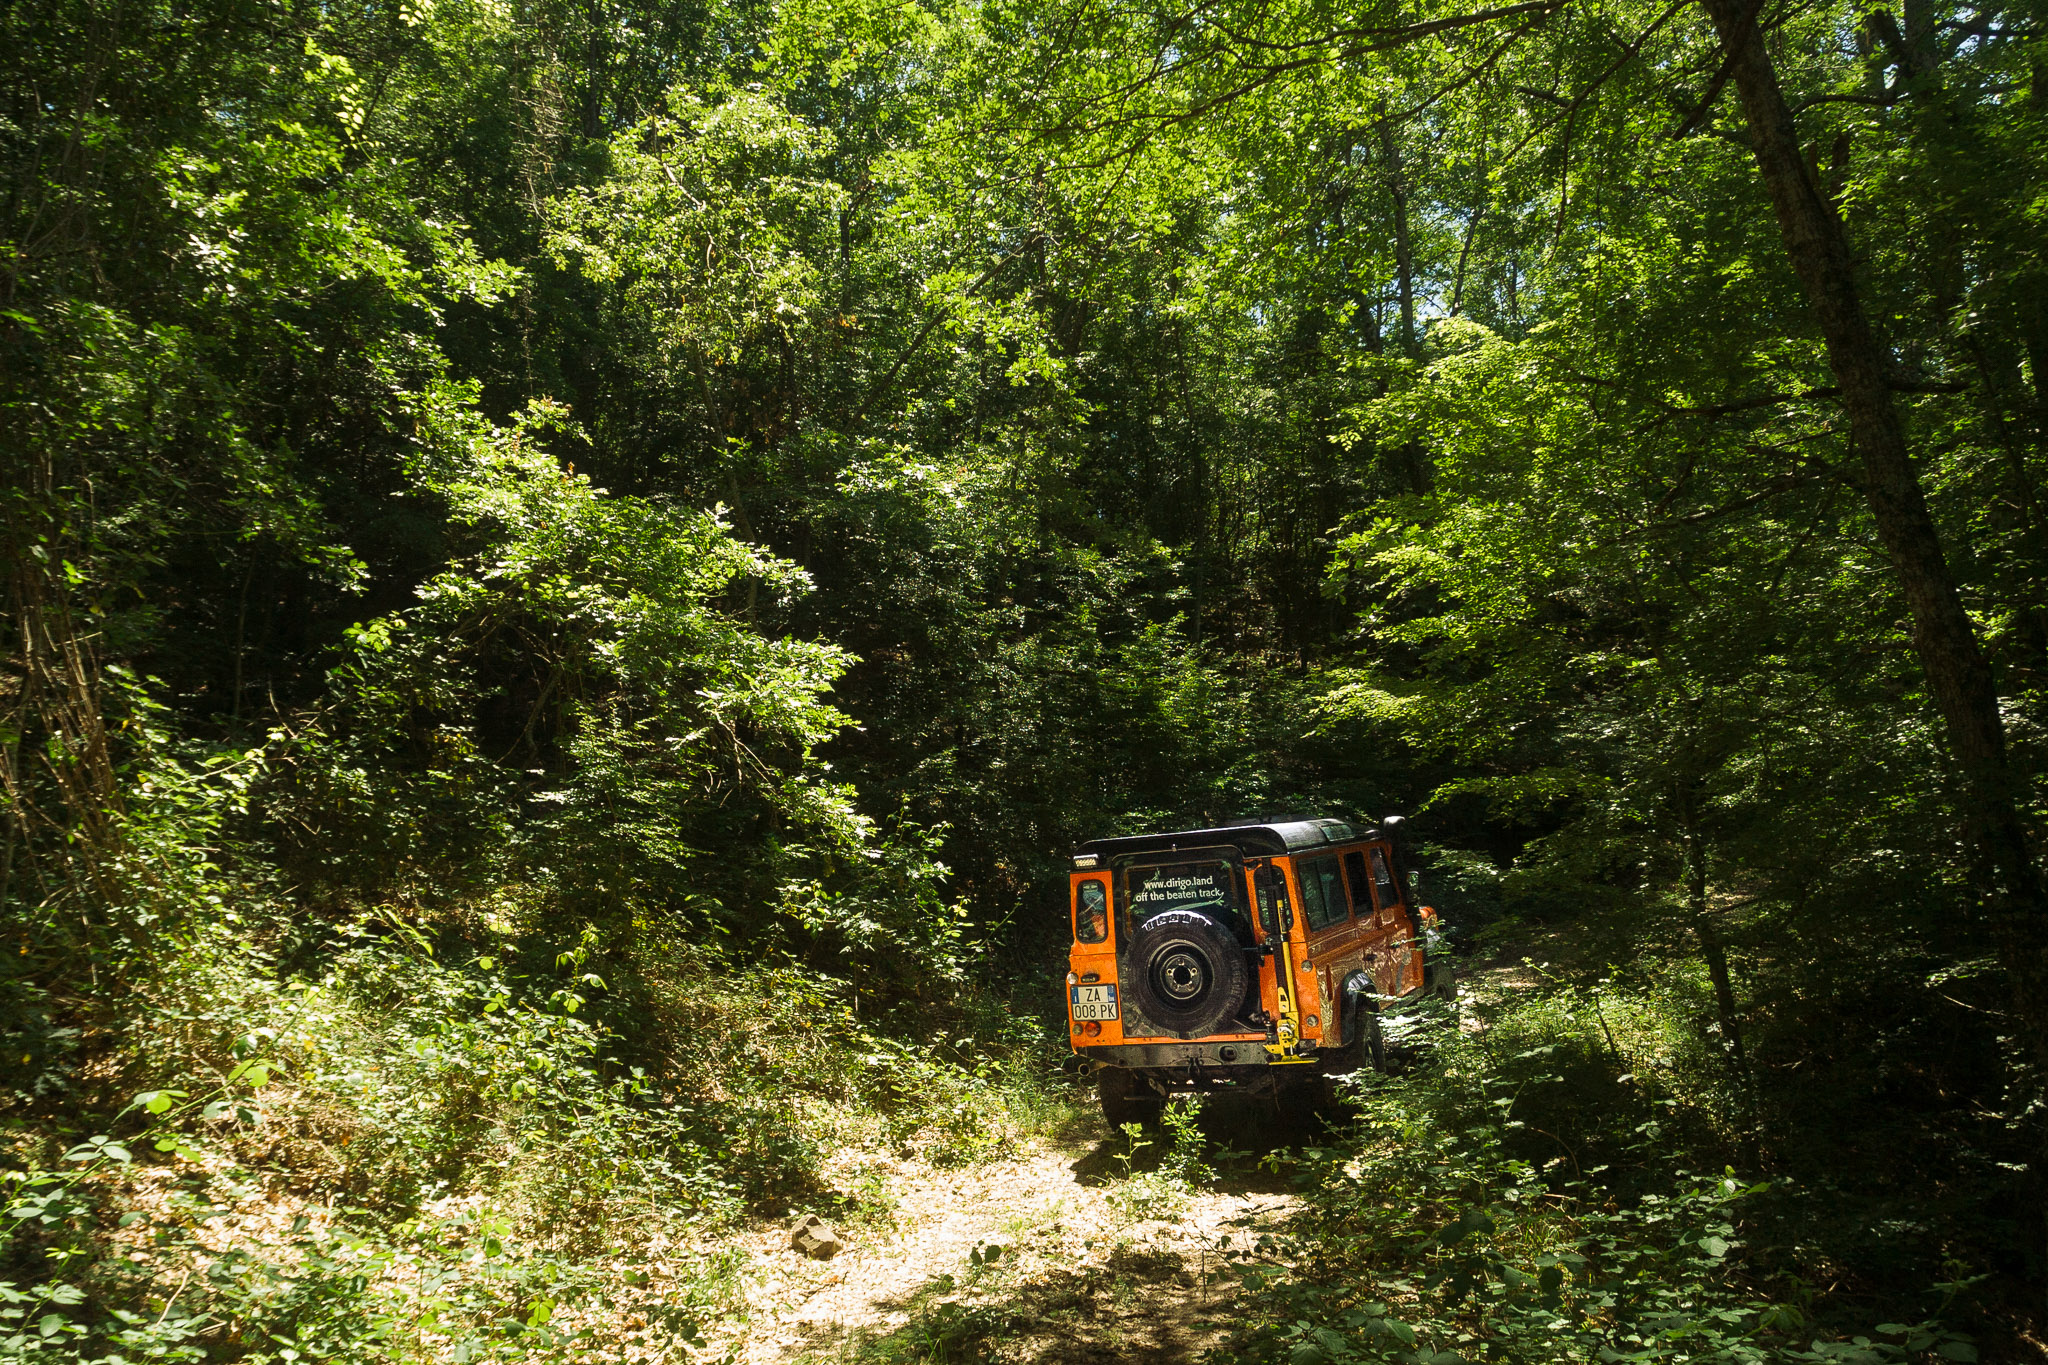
(1251, 957)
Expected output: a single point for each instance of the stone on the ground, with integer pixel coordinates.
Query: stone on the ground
(814, 1237)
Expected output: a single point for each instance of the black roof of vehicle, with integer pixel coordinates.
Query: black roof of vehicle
(1290, 836)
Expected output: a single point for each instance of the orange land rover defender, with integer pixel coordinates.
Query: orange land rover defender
(1252, 957)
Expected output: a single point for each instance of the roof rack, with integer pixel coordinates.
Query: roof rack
(1288, 836)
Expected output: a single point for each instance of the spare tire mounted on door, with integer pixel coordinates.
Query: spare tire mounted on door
(1186, 971)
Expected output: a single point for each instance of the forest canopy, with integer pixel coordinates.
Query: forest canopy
(654, 492)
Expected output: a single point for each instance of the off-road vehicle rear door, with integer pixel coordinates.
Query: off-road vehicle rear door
(1184, 944)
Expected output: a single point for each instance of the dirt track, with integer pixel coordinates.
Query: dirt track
(1029, 1255)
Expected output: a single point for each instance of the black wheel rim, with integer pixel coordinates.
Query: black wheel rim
(1181, 976)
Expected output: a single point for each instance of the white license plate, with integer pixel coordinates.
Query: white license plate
(1093, 1002)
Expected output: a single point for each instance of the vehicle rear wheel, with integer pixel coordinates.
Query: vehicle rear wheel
(1126, 1098)
(1366, 1050)
(1298, 1104)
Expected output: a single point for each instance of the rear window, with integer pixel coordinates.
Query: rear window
(1091, 912)
(1209, 885)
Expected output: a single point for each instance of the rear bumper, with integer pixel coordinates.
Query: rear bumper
(1235, 1056)
(1190, 1067)
(1169, 1069)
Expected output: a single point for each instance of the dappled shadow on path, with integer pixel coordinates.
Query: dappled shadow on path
(1242, 1132)
(1079, 1270)
(1165, 1304)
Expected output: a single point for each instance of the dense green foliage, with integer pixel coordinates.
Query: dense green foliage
(573, 571)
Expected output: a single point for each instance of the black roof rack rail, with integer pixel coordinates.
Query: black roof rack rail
(1288, 836)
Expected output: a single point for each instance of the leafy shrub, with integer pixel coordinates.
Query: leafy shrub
(1520, 1196)
(484, 1147)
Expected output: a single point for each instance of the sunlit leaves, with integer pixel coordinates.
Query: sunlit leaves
(709, 224)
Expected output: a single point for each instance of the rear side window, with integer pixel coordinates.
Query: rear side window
(1383, 886)
(1091, 913)
(1322, 892)
(1354, 873)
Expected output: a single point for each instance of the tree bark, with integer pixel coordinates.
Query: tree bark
(1958, 674)
(1410, 453)
(1404, 256)
(1726, 1017)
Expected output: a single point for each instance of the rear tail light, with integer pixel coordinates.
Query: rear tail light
(1092, 1029)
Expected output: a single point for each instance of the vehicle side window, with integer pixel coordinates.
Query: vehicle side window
(1322, 892)
(1354, 873)
(1383, 887)
(1333, 888)
(1091, 913)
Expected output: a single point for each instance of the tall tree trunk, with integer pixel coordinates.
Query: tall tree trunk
(1404, 255)
(1714, 951)
(1958, 674)
(1410, 453)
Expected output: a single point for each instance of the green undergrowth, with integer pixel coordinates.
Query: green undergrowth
(428, 1141)
(1555, 1185)
(1161, 1186)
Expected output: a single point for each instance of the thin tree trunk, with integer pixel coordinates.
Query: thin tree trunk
(241, 640)
(1465, 254)
(1410, 453)
(1404, 256)
(1727, 1019)
(1715, 952)
(1958, 674)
